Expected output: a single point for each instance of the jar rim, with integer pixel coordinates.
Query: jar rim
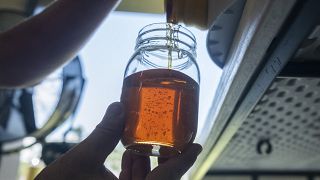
(165, 35)
(162, 26)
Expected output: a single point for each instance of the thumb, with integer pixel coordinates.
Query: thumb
(93, 151)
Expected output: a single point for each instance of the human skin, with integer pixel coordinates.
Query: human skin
(36, 47)
(86, 160)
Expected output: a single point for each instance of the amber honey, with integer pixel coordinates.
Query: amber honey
(161, 111)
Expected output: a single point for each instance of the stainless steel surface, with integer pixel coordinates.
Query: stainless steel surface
(259, 24)
(273, 146)
(287, 120)
(310, 48)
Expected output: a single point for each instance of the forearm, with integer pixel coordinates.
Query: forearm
(36, 47)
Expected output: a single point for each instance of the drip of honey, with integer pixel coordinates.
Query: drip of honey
(170, 43)
(171, 20)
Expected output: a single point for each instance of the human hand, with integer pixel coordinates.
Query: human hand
(85, 161)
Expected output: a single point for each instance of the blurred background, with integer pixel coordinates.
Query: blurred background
(259, 113)
(100, 66)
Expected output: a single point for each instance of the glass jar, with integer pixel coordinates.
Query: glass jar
(161, 91)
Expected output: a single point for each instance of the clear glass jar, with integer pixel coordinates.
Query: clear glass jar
(161, 91)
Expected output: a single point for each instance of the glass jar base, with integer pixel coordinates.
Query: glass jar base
(153, 149)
